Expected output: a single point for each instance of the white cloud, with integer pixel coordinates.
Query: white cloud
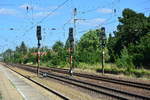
(92, 22)
(42, 14)
(98, 20)
(7, 11)
(105, 10)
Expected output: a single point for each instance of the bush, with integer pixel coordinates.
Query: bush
(125, 60)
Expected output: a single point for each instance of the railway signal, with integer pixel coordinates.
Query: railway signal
(71, 49)
(39, 37)
(38, 33)
(103, 43)
(71, 37)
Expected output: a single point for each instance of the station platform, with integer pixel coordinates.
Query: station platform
(14, 87)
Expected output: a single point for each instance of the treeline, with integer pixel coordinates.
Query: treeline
(130, 45)
(127, 47)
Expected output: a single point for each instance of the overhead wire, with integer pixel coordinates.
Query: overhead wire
(108, 20)
(27, 13)
(32, 8)
(59, 6)
(54, 10)
(67, 22)
(96, 8)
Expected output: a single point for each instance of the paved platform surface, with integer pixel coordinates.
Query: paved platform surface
(13, 87)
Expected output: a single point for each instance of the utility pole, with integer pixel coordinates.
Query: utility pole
(39, 37)
(74, 36)
(74, 26)
(74, 39)
(103, 39)
(72, 48)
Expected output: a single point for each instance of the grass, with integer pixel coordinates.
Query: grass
(113, 69)
(141, 73)
(0, 96)
(109, 68)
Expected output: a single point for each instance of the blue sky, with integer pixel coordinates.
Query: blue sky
(92, 14)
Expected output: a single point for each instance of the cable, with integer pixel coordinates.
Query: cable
(59, 6)
(94, 9)
(44, 37)
(114, 21)
(32, 7)
(67, 22)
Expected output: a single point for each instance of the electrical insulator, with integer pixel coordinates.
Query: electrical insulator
(27, 8)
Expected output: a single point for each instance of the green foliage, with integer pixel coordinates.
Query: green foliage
(16, 56)
(0, 96)
(30, 58)
(23, 48)
(7, 55)
(110, 48)
(141, 51)
(58, 46)
(125, 60)
(88, 47)
(132, 33)
(57, 56)
(141, 73)
(131, 28)
(145, 45)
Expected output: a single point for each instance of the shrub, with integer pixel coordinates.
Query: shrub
(125, 60)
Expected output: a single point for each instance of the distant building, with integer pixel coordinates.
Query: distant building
(41, 53)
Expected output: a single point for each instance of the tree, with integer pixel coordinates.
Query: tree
(59, 54)
(88, 47)
(20, 53)
(23, 48)
(8, 55)
(58, 46)
(141, 52)
(30, 58)
(133, 26)
(125, 60)
(110, 45)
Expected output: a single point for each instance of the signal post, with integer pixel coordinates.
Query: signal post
(103, 43)
(71, 49)
(39, 37)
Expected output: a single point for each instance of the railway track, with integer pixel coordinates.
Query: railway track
(41, 85)
(101, 78)
(106, 79)
(112, 92)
